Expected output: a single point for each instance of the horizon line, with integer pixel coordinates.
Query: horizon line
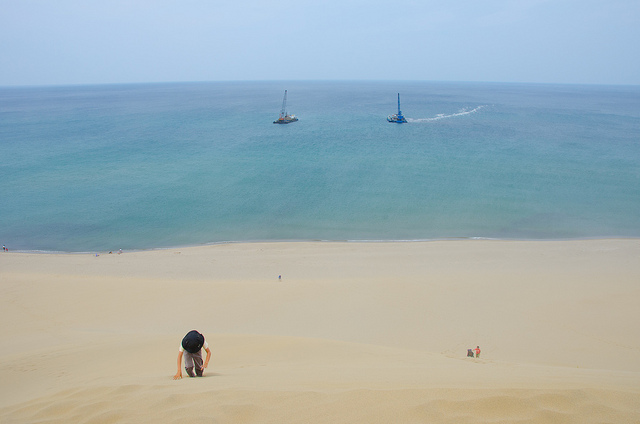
(400, 81)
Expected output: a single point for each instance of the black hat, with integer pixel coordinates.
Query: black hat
(193, 341)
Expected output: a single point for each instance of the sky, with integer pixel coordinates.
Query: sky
(62, 42)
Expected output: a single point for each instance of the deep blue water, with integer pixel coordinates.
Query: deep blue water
(98, 168)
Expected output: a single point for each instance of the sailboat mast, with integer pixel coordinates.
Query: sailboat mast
(399, 113)
(283, 112)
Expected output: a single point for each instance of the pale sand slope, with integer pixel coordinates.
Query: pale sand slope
(354, 333)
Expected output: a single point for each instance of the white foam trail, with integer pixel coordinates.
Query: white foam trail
(461, 112)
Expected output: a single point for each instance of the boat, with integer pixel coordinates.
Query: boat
(399, 117)
(284, 117)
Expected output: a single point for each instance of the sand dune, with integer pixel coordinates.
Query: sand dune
(354, 332)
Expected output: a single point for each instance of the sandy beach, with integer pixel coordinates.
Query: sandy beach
(350, 333)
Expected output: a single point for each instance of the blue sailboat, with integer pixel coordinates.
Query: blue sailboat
(399, 117)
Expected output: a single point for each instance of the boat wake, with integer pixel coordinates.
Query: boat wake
(461, 112)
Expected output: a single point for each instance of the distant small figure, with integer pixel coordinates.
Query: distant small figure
(469, 353)
(191, 347)
(477, 350)
(280, 277)
(120, 252)
(4, 248)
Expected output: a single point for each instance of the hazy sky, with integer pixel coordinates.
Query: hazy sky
(113, 41)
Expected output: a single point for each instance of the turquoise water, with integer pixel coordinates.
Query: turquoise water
(98, 168)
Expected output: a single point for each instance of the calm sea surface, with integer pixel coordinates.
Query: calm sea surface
(99, 168)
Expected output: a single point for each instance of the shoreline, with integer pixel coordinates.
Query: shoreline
(319, 241)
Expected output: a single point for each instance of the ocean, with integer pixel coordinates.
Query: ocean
(145, 166)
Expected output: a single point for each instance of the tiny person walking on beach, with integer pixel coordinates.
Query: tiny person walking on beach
(477, 350)
(191, 348)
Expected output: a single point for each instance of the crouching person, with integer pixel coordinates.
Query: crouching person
(191, 348)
